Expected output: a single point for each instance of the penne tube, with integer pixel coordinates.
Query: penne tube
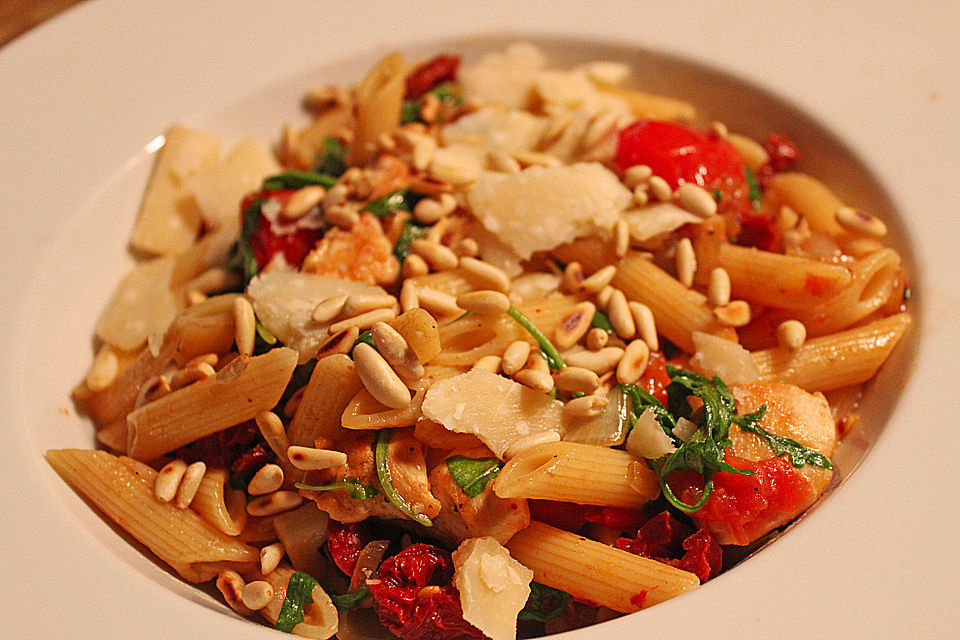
(320, 619)
(580, 473)
(811, 199)
(123, 490)
(652, 105)
(837, 360)
(237, 393)
(366, 412)
(114, 436)
(379, 98)
(594, 572)
(220, 504)
(465, 341)
(332, 386)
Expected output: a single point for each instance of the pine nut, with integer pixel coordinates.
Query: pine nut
(336, 196)
(342, 216)
(487, 363)
(340, 342)
(328, 308)
(430, 107)
(686, 262)
(439, 257)
(274, 503)
(409, 296)
(574, 379)
(206, 358)
(104, 369)
(467, 248)
(536, 380)
(414, 266)
(514, 357)
(256, 595)
(397, 352)
(291, 405)
(573, 275)
(421, 147)
(153, 389)
(190, 483)
(574, 326)
(214, 280)
(719, 129)
(660, 189)
(168, 480)
(364, 320)
(437, 231)
(231, 585)
(601, 125)
(378, 378)
(535, 158)
(860, 222)
(430, 210)
(733, 314)
(302, 201)
(603, 298)
(487, 275)
(597, 339)
(311, 459)
(641, 195)
(585, 407)
(195, 297)
(271, 428)
(646, 325)
(621, 237)
(484, 303)
(358, 303)
(521, 444)
(267, 479)
(245, 325)
(788, 218)
(502, 161)
(437, 302)
(188, 375)
(620, 317)
(270, 557)
(637, 175)
(718, 291)
(599, 362)
(791, 334)
(599, 279)
(536, 362)
(634, 362)
(696, 200)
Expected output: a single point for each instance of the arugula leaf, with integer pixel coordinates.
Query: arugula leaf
(297, 180)
(754, 193)
(473, 474)
(410, 111)
(544, 604)
(399, 200)
(383, 474)
(780, 445)
(449, 93)
(249, 224)
(352, 485)
(333, 158)
(717, 195)
(351, 600)
(601, 321)
(550, 353)
(364, 336)
(410, 232)
(299, 597)
(265, 334)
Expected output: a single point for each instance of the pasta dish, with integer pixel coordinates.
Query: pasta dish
(483, 350)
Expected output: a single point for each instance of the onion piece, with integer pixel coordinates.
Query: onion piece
(608, 429)
(368, 562)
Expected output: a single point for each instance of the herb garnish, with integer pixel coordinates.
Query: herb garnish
(351, 600)
(351, 484)
(365, 336)
(297, 180)
(411, 231)
(754, 192)
(249, 224)
(399, 200)
(381, 448)
(601, 321)
(780, 445)
(449, 93)
(333, 158)
(544, 604)
(299, 597)
(473, 474)
(549, 351)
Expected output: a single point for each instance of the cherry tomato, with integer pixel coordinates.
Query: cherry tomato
(442, 68)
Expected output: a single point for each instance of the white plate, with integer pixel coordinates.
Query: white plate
(86, 94)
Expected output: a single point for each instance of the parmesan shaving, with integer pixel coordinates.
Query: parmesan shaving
(647, 439)
(718, 357)
(493, 587)
(655, 219)
(504, 78)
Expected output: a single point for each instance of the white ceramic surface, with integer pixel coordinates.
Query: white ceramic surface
(86, 94)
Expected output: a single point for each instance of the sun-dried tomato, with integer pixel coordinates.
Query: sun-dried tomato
(345, 541)
(442, 68)
(568, 516)
(410, 610)
(666, 539)
(781, 150)
(703, 556)
(294, 240)
(250, 461)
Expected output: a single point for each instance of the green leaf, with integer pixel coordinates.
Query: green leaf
(780, 445)
(398, 200)
(265, 334)
(601, 321)
(351, 600)
(381, 449)
(299, 596)
(411, 231)
(333, 158)
(410, 111)
(352, 485)
(297, 180)
(473, 474)
(717, 195)
(544, 604)
(365, 336)
(249, 224)
(549, 351)
(449, 93)
(755, 194)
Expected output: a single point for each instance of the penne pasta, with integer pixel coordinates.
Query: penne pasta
(379, 97)
(219, 504)
(810, 199)
(320, 620)
(332, 386)
(366, 412)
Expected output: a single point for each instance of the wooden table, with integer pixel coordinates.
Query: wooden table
(18, 16)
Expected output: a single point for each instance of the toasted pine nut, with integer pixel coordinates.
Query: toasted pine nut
(342, 216)
(207, 358)
(646, 326)
(514, 357)
(437, 302)
(577, 379)
(430, 107)
(439, 257)
(257, 594)
(574, 326)
(245, 325)
(603, 298)
(336, 196)
(634, 362)
(168, 480)
(293, 403)
(621, 237)
(597, 361)
(719, 129)
(597, 339)
(573, 275)
(620, 317)
(733, 314)
(328, 308)
(430, 210)
(364, 320)
(104, 369)
(536, 380)
(267, 479)
(270, 557)
(302, 200)
(340, 342)
(195, 297)
(190, 483)
(585, 407)
(521, 444)
(660, 189)
(436, 232)
(484, 303)
(600, 126)
(196, 373)
(467, 248)
(153, 389)
(409, 296)
(718, 291)
(274, 503)
(502, 161)
(271, 428)
(311, 459)
(535, 158)
(536, 362)
(397, 352)
(686, 262)
(791, 334)
(599, 279)
(696, 200)
(487, 275)
(214, 280)
(231, 585)
(487, 363)
(860, 222)
(414, 266)
(358, 303)
(378, 378)
(641, 195)
(636, 175)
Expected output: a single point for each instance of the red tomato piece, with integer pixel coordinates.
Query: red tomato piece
(294, 241)
(783, 153)
(666, 539)
(655, 377)
(442, 68)
(345, 542)
(562, 515)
